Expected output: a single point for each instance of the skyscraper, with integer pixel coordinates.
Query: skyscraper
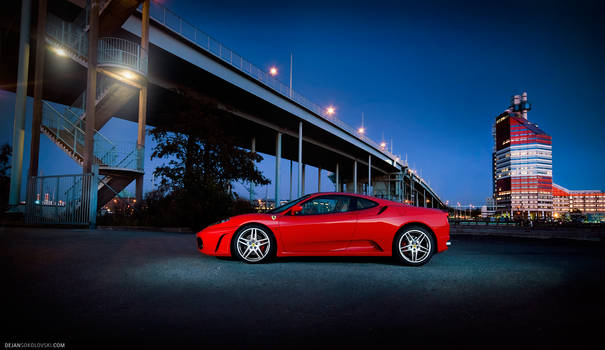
(522, 164)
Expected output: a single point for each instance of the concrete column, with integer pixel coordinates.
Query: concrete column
(290, 197)
(277, 166)
(253, 149)
(369, 175)
(21, 95)
(91, 86)
(318, 179)
(300, 173)
(142, 101)
(34, 150)
(424, 197)
(303, 178)
(355, 176)
(337, 179)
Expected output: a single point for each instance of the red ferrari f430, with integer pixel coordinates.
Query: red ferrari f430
(331, 224)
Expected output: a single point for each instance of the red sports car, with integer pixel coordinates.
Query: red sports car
(331, 224)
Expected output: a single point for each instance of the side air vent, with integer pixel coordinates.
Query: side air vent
(382, 210)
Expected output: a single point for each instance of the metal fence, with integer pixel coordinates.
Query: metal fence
(62, 199)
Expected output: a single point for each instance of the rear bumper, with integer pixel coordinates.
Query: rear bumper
(443, 237)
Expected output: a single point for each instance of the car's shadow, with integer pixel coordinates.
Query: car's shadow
(332, 259)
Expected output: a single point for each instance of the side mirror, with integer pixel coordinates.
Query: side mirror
(295, 210)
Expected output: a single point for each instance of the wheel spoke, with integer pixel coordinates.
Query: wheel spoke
(406, 248)
(242, 240)
(424, 249)
(414, 255)
(263, 241)
(247, 252)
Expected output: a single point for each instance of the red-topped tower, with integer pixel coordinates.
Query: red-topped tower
(522, 164)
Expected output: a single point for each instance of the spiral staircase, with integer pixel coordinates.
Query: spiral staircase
(119, 163)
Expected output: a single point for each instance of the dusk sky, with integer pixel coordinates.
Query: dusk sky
(431, 75)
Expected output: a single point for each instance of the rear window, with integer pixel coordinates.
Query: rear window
(363, 203)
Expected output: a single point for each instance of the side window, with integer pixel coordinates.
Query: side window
(363, 203)
(326, 205)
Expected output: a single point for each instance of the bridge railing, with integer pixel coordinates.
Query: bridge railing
(188, 31)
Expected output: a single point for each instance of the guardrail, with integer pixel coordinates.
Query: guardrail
(106, 153)
(122, 53)
(114, 52)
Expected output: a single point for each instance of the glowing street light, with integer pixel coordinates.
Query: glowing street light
(361, 130)
(273, 71)
(330, 110)
(383, 145)
(127, 74)
(59, 51)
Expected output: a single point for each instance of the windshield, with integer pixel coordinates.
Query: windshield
(288, 205)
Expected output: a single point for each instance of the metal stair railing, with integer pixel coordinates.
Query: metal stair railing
(106, 153)
(115, 52)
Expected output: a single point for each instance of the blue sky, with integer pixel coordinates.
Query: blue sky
(432, 75)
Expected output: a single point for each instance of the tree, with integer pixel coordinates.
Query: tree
(202, 161)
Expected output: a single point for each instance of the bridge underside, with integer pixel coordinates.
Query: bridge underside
(253, 117)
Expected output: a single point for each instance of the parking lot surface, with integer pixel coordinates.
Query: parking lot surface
(108, 288)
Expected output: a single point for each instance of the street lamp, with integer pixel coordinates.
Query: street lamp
(361, 130)
(273, 71)
(127, 74)
(59, 51)
(330, 110)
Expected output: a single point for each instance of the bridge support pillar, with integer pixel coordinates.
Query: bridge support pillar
(277, 167)
(424, 197)
(300, 174)
(355, 176)
(142, 101)
(91, 86)
(303, 178)
(318, 179)
(337, 180)
(19, 123)
(369, 175)
(290, 196)
(34, 150)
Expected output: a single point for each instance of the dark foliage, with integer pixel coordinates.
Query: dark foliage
(202, 162)
(5, 156)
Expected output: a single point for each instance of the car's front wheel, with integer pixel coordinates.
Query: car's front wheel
(253, 244)
(414, 246)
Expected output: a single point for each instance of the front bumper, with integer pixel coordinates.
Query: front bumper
(215, 241)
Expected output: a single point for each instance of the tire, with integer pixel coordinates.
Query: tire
(253, 244)
(414, 246)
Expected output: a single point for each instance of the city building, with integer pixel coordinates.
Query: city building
(581, 201)
(522, 164)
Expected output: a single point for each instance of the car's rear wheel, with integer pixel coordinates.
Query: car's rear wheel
(414, 246)
(253, 244)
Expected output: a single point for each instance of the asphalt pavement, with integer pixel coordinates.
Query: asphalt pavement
(110, 288)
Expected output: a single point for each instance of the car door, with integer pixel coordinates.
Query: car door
(373, 227)
(325, 224)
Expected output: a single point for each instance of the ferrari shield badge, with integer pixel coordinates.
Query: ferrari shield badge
(273, 217)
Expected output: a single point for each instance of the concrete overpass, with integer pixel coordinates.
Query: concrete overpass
(144, 57)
